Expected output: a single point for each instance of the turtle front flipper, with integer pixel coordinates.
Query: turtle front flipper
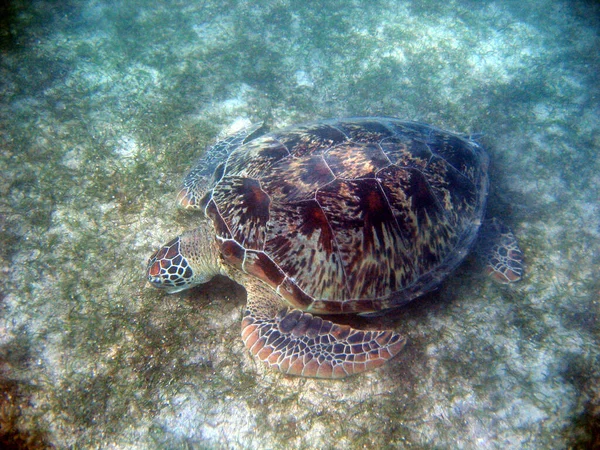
(205, 174)
(499, 249)
(298, 343)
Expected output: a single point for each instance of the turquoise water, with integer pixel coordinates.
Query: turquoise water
(106, 105)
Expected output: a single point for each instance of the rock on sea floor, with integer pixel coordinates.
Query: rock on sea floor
(106, 105)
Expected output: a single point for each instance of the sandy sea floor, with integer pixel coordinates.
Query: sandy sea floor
(106, 105)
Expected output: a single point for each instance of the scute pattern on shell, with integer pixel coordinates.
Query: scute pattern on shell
(350, 216)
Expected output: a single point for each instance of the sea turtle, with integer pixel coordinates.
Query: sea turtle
(355, 215)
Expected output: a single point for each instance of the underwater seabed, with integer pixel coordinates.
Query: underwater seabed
(105, 106)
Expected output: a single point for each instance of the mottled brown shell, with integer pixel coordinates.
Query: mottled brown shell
(354, 215)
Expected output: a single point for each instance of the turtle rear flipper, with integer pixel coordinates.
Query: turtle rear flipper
(298, 343)
(499, 249)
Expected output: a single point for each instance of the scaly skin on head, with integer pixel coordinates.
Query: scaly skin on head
(186, 261)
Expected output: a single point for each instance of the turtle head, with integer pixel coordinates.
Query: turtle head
(184, 262)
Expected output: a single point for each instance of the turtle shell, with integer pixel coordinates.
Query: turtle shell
(351, 215)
